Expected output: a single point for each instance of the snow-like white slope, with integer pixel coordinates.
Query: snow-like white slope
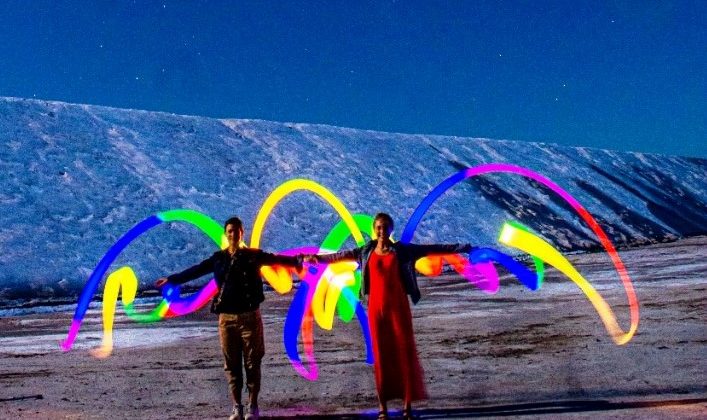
(75, 178)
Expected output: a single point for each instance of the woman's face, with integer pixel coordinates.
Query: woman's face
(382, 228)
(233, 235)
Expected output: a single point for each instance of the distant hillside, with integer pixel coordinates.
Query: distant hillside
(76, 177)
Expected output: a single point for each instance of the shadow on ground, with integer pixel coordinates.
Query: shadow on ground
(541, 408)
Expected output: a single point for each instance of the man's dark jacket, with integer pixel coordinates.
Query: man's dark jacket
(238, 278)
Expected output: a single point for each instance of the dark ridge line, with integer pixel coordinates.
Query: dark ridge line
(519, 203)
(660, 207)
(629, 217)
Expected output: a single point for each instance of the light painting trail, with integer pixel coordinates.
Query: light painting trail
(618, 335)
(201, 221)
(319, 299)
(326, 290)
(340, 278)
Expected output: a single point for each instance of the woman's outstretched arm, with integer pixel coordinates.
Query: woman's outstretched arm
(419, 251)
(347, 255)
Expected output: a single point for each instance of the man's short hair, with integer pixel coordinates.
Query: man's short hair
(236, 222)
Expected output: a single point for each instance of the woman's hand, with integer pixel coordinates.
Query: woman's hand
(161, 282)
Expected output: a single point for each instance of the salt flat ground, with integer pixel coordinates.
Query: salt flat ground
(516, 353)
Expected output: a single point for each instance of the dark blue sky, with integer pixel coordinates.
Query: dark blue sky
(617, 74)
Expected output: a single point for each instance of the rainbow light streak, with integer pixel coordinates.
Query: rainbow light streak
(533, 245)
(173, 305)
(462, 175)
(317, 300)
(320, 299)
(336, 238)
(528, 278)
(182, 306)
(537, 262)
(293, 324)
(92, 284)
(301, 184)
(122, 278)
(326, 294)
(201, 221)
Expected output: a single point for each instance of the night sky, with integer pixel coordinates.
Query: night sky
(617, 74)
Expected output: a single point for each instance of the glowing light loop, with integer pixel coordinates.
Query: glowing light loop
(325, 290)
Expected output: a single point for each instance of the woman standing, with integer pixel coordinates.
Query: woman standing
(388, 276)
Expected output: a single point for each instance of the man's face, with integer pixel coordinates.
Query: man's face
(382, 229)
(233, 235)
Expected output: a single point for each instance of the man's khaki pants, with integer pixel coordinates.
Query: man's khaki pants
(242, 343)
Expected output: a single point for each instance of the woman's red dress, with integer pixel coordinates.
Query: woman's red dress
(396, 365)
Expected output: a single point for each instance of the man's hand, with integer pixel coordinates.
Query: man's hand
(310, 259)
(161, 282)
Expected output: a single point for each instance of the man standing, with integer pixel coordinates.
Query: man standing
(240, 292)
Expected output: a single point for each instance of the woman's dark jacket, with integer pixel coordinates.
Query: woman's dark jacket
(406, 254)
(238, 278)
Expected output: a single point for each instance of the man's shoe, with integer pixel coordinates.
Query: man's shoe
(237, 413)
(251, 412)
